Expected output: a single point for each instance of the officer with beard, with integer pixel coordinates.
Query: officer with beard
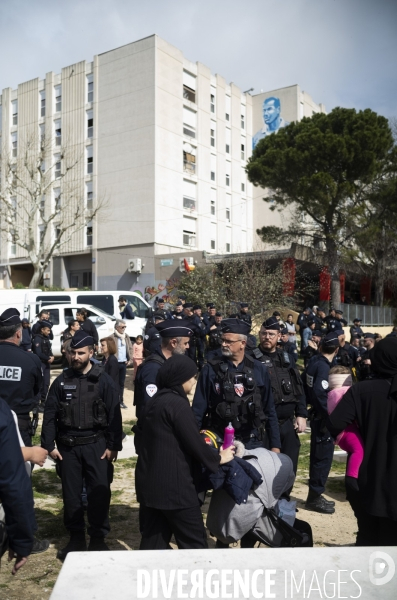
(215, 338)
(285, 345)
(287, 387)
(235, 388)
(244, 315)
(82, 417)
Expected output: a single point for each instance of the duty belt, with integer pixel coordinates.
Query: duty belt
(72, 440)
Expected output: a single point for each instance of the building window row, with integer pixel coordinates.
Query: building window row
(14, 106)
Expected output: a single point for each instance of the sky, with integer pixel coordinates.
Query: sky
(341, 52)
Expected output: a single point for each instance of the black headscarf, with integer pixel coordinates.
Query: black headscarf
(384, 362)
(174, 372)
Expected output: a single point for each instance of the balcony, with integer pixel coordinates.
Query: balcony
(189, 204)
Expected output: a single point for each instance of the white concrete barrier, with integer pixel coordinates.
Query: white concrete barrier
(338, 572)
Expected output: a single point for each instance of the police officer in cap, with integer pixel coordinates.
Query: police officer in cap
(313, 345)
(43, 348)
(161, 310)
(244, 315)
(347, 355)
(20, 373)
(178, 312)
(199, 331)
(364, 363)
(215, 337)
(82, 416)
(321, 442)
(235, 388)
(287, 388)
(175, 337)
(209, 316)
(356, 328)
(151, 339)
(285, 345)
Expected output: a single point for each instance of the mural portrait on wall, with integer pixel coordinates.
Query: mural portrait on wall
(272, 119)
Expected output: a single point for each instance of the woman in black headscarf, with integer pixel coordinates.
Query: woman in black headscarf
(373, 405)
(170, 453)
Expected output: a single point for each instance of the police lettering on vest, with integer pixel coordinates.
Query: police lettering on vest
(11, 373)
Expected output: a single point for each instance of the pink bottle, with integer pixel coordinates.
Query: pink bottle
(228, 438)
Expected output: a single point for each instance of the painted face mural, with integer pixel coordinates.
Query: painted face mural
(272, 119)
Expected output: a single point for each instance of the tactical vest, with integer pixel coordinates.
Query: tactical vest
(81, 406)
(138, 387)
(286, 381)
(215, 338)
(343, 358)
(241, 402)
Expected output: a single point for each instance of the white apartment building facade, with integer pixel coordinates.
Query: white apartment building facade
(163, 145)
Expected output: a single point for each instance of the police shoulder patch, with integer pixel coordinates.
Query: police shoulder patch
(151, 389)
(146, 337)
(325, 384)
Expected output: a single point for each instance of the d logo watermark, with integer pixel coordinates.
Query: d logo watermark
(381, 568)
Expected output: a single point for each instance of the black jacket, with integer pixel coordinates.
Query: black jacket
(42, 347)
(111, 367)
(89, 327)
(20, 378)
(170, 451)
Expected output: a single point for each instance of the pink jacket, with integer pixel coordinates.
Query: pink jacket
(350, 439)
(137, 351)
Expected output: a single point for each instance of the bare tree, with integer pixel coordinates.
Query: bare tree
(42, 205)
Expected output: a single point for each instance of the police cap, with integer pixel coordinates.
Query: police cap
(284, 331)
(244, 304)
(356, 320)
(9, 317)
(45, 323)
(179, 303)
(311, 321)
(81, 339)
(160, 301)
(171, 329)
(235, 326)
(317, 333)
(196, 306)
(158, 316)
(369, 335)
(339, 312)
(271, 323)
(331, 339)
(218, 314)
(188, 305)
(276, 313)
(25, 320)
(210, 305)
(182, 297)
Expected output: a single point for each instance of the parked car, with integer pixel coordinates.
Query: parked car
(61, 315)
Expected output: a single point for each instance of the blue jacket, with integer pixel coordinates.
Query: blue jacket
(236, 477)
(127, 312)
(317, 373)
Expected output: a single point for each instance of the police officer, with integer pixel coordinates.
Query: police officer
(175, 337)
(197, 326)
(151, 339)
(330, 320)
(287, 388)
(161, 310)
(312, 348)
(200, 341)
(285, 345)
(178, 312)
(321, 443)
(209, 316)
(20, 373)
(44, 315)
(302, 322)
(339, 318)
(364, 368)
(87, 325)
(347, 355)
(236, 388)
(82, 415)
(244, 315)
(42, 348)
(215, 337)
(356, 328)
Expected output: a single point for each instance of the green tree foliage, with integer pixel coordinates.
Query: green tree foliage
(323, 169)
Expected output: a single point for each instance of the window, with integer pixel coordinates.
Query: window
(189, 160)
(228, 135)
(242, 152)
(189, 122)
(213, 236)
(57, 232)
(90, 160)
(189, 195)
(42, 203)
(103, 302)
(227, 247)
(88, 234)
(228, 215)
(212, 99)
(228, 241)
(243, 187)
(42, 135)
(13, 201)
(58, 165)
(89, 195)
(58, 98)
(242, 122)
(212, 244)
(42, 166)
(14, 105)
(227, 179)
(90, 87)
(90, 123)
(14, 144)
(41, 234)
(42, 103)
(213, 167)
(58, 132)
(212, 133)
(189, 86)
(57, 198)
(189, 231)
(213, 202)
(228, 103)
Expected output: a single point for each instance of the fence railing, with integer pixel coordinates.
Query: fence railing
(369, 315)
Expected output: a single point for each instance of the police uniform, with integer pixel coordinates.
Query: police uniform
(82, 415)
(356, 330)
(20, 378)
(332, 323)
(209, 319)
(321, 443)
(364, 370)
(199, 331)
(200, 340)
(288, 394)
(43, 349)
(151, 339)
(289, 347)
(215, 340)
(36, 330)
(243, 316)
(238, 394)
(175, 314)
(145, 381)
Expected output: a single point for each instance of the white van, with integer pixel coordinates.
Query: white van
(62, 314)
(106, 301)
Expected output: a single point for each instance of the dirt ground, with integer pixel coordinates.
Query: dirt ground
(36, 580)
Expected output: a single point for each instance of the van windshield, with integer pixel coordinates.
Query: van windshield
(103, 302)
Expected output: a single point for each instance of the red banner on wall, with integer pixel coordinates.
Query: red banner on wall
(325, 284)
(289, 272)
(342, 280)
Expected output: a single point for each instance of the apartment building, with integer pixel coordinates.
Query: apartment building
(163, 145)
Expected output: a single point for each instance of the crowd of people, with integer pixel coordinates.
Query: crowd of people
(247, 387)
